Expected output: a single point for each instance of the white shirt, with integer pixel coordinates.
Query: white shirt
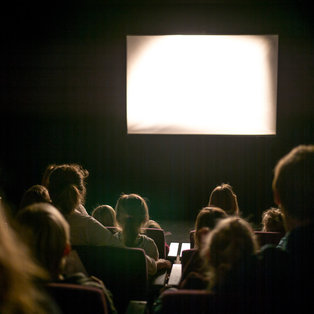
(86, 230)
(149, 247)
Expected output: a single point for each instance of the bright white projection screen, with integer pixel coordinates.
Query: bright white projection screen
(202, 84)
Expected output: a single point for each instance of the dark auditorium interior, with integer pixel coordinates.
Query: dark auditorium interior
(63, 100)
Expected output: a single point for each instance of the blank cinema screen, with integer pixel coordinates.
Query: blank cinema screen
(202, 84)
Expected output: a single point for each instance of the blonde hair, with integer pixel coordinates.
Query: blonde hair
(132, 214)
(47, 233)
(106, 215)
(223, 197)
(18, 272)
(231, 241)
(272, 220)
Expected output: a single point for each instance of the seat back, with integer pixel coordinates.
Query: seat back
(205, 302)
(264, 237)
(78, 299)
(123, 270)
(186, 256)
(158, 235)
(187, 302)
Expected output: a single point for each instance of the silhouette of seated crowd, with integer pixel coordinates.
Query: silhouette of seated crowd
(226, 271)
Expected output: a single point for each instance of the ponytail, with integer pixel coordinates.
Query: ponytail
(68, 199)
(130, 231)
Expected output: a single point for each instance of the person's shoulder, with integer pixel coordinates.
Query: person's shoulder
(143, 238)
(82, 279)
(77, 215)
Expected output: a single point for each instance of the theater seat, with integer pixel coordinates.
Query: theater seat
(264, 237)
(186, 256)
(123, 271)
(205, 302)
(78, 299)
(187, 302)
(158, 235)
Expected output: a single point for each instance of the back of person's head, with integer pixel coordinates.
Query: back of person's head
(152, 224)
(224, 197)
(206, 221)
(18, 273)
(47, 234)
(272, 220)
(231, 241)
(132, 214)
(35, 194)
(46, 174)
(106, 215)
(293, 183)
(67, 187)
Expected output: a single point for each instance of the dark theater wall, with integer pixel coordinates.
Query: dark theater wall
(63, 98)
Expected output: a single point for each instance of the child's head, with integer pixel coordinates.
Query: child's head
(206, 221)
(106, 215)
(47, 234)
(223, 197)
(152, 224)
(132, 214)
(231, 241)
(272, 220)
(35, 194)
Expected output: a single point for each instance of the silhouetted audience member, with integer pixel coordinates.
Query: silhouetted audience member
(224, 197)
(293, 187)
(155, 225)
(194, 273)
(45, 182)
(20, 291)
(106, 215)
(132, 214)
(231, 242)
(67, 191)
(47, 234)
(272, 220)
(35, 194)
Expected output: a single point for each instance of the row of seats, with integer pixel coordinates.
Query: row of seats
(125, 275)
(263, 237)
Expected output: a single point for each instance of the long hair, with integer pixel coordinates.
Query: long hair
(132, 214)
(230, 242)
(223, 197)
(18, 272)
(67, 187)
(47, 233)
